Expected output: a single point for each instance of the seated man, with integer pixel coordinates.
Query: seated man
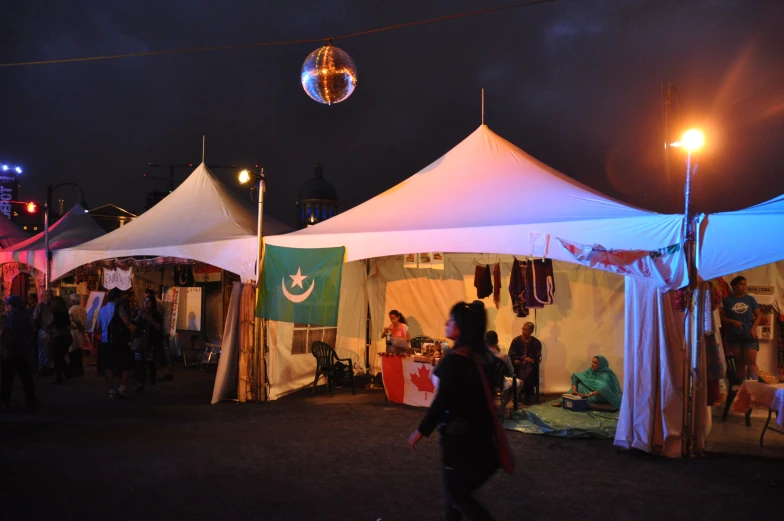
(526, 354)
(599, 384)
(491, 339)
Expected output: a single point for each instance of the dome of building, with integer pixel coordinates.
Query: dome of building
(318, 188)
(317, 200)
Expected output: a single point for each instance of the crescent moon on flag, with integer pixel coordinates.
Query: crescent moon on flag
(296, 298)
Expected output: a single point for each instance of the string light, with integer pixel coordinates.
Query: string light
(278, 43)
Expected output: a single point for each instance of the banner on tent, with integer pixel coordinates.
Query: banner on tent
(118, 278)
(301, 285)
(666, 266)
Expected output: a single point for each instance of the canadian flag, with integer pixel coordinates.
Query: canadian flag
(408, 382)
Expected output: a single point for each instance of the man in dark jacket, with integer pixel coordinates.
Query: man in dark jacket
(17, 349)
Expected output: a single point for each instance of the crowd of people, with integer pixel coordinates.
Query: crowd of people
(49, 337)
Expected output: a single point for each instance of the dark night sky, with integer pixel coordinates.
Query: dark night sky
(575, 83)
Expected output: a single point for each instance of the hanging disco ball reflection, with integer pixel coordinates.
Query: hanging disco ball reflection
(329, 75)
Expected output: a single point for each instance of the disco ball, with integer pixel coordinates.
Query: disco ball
(329, 75)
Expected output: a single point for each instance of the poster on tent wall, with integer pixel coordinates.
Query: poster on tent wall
(171, 303)
(94, 303)
(765, 297)
(189, 312)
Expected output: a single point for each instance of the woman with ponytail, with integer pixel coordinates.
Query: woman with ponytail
(473, 444)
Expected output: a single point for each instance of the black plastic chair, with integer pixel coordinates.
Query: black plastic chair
(418, 341)
(326, 358)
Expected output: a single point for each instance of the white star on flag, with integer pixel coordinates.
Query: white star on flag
(298, 278)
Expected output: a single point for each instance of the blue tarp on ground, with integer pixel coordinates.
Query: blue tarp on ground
(557, 421)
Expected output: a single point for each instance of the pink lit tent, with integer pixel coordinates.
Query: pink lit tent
(483, 202)
(10, 233)
(74, 227)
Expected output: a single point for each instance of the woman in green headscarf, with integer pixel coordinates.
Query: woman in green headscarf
(599, 384)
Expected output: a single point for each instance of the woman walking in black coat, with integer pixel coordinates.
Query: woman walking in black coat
(472, 442)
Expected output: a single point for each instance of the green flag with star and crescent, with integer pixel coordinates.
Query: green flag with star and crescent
(301, 285)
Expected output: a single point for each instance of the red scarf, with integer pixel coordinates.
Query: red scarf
(502, 443)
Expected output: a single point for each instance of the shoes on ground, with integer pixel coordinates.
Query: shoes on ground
(122, 392)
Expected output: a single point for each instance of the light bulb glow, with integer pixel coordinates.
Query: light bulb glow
(19, 170)
(692, 140)
(31, 207)
(244, 176)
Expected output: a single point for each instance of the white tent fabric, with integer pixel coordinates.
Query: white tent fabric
(226, 376)
(487, 195)
(651, 417)
(586, 318)
(731, 242)
(200, 220)
(10, 233)
(75, 227)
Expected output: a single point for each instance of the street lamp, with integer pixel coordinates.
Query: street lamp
(47, 205)
(691, 141)
(245, 177)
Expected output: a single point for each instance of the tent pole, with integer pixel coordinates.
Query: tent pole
(261, 346)
(367, 323)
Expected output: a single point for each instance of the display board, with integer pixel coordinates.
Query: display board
(94, 303)
(190, 309)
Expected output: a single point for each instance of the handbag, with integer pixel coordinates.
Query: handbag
(505, 457)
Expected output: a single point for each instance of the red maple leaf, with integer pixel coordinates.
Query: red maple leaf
(422, 380)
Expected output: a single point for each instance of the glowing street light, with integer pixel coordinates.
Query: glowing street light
(244, 176)
(691, 141)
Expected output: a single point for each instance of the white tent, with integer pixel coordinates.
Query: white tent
(488, 196)
(200, 220)
(75, 227)
(731, 242)
(748, 242)
(10, 233)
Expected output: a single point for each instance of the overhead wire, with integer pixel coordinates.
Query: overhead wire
(280, 42)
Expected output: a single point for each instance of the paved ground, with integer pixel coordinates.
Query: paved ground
(170, 455)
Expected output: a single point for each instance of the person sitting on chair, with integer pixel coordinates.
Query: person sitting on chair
(526, 354)
(491, 339)
(398, 329)
(599, 384)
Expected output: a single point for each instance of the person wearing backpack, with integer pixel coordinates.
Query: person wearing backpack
(114, 353)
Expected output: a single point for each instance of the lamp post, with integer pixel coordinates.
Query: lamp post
(246, 176)
(691, 141)
(47, 205)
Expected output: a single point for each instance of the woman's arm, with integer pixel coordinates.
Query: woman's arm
(757, 320)
(408, 333)
(727, 320)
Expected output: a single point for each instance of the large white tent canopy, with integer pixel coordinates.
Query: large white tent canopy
(487, 195)
(200, 220)
(731, 242)
(74, 227)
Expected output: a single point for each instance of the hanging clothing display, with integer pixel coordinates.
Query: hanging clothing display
(517, 288)
(482, 282)
(497, 285)
(539, 283)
